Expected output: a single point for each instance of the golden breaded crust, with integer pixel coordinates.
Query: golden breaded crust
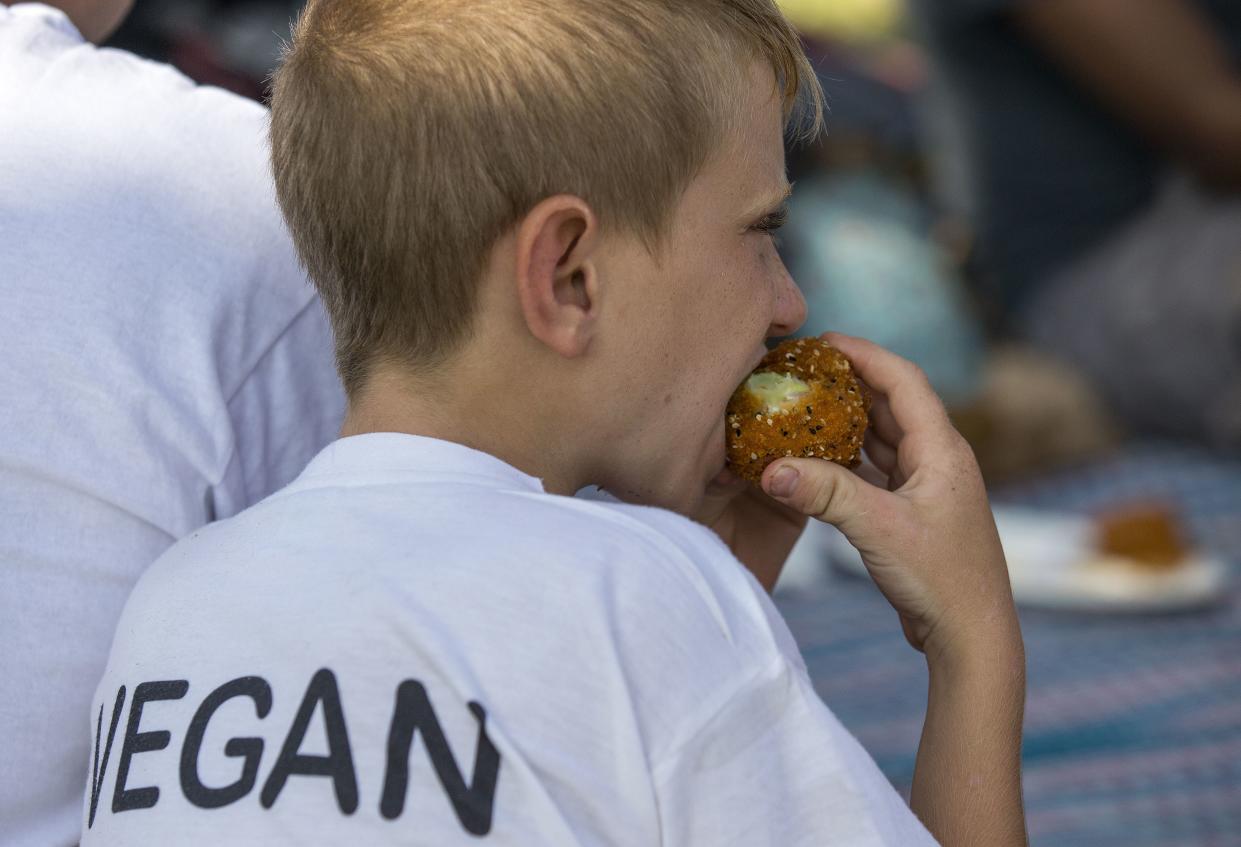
(828, 422)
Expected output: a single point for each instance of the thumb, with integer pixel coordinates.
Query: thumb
(821, 489)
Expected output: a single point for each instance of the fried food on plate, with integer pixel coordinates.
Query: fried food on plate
(1146, 534)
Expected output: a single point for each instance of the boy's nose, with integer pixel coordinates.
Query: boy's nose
(790, 312)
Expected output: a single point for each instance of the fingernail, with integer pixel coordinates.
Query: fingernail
(782, 482)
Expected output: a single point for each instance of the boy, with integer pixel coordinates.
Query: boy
(542, 232)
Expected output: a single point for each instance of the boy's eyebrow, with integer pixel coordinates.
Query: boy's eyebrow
(771, 204)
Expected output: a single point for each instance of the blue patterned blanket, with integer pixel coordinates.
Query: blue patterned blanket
(1133, 723)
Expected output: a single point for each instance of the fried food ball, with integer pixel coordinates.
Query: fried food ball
(802, 400)
(1145, 533)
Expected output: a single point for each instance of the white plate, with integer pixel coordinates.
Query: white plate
(1052, 563)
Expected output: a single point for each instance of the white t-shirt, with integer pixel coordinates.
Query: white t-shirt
(414, 644)
(162, 363)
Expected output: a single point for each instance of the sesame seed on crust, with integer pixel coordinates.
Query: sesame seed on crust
(835, 430)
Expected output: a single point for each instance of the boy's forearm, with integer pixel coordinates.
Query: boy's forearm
(967, 781)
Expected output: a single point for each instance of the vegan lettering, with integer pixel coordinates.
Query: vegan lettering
(472, 800)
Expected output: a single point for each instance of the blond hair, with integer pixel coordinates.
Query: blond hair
(409, 135)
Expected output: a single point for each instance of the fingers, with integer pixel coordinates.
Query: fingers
(823, 490)
(886, 469)
(882, 424)
(911, 404)
(881, 453)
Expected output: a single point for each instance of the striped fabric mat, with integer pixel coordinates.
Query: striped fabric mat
(1133, 723)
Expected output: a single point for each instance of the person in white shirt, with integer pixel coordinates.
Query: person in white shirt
(543, 235)
(163, 362)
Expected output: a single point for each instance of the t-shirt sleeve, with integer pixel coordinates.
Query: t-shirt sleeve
(288, 408)
(772, 765)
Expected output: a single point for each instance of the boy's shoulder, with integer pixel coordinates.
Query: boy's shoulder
(658, 574)
(672, 583)
(663, 535)
(588, 528)
(617, 598)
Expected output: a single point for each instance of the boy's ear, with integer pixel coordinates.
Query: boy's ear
(557, 278)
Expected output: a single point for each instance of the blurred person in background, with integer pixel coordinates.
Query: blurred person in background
(877, 257)
(164, 363)
(1106, 142)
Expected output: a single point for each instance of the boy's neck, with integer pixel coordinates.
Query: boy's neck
(465, 409)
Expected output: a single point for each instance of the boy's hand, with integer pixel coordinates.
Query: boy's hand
(929, 541)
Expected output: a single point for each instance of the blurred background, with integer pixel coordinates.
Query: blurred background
(1039, 201)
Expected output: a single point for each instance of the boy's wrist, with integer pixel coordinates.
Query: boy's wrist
(990, 652)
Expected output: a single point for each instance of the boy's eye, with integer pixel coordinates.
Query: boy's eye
(774, 221)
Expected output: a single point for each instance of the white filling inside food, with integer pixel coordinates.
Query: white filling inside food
(777, 392)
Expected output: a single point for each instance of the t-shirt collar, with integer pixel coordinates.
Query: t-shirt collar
(395, 454)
